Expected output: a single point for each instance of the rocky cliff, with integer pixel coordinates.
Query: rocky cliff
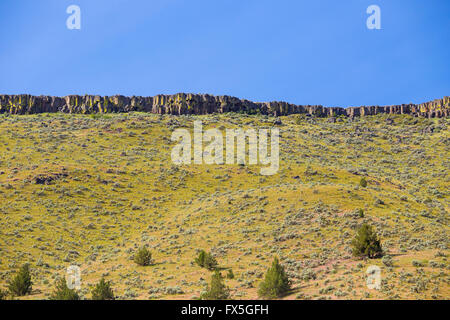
(182, 103)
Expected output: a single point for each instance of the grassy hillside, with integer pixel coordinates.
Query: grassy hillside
(91, 190)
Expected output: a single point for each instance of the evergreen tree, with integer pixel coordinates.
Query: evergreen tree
(217, 290)
(363, 182)
(206, 260)
(361, 213)
(102, 291)
(143, 257)
(62, 292)
(275, 283)
(366, 243)
(21, 284)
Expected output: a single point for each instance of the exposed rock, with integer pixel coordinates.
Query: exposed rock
(182, 103)
(48, 178)
(277, 122)
(428, 130)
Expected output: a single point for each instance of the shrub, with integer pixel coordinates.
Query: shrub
(363, 182)
(361, 213)
(308, 274)
(418, 264)
(21, 284)
(366, 243)
(275, 283)
(102, 291)
(387, 261)
(206, 260)
(217, 290)
(143, 257)
(230, 274)
(62, 292)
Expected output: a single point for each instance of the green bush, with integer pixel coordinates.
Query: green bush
(206, 260)
(230, 274)
(62, 292)
(21, 285)
(366, 243)
(102, 291)
(143, 257)
(361, 213)
(363, 182)
(217, 290)
(275, 283)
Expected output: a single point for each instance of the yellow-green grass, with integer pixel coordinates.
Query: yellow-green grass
(122, 191)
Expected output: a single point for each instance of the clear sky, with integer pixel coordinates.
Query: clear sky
(304, 52)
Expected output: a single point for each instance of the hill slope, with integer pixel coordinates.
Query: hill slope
(90, 190)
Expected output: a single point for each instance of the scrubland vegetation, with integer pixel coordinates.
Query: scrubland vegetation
(101, 192)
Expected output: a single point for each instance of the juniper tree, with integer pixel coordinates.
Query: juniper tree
(275, 283)
(361, 213)
(102, 291)
(21, 284)
(206, 260)
(217, 290)
(63, 292)
(363, 182)
(366, 243)
(143, 257)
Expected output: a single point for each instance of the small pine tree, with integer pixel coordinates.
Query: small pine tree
(143, 257)
(200, 258)
(275, 283)
(363, 182)
(361, 213)
(366, 243)
(217, 290)
(21, 285)
(206, 260)
(102, 291)
(62, 292)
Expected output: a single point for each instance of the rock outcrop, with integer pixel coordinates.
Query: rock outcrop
(182, 103)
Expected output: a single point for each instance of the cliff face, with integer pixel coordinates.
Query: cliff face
(182, 103)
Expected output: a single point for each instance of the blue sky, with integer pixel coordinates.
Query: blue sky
(304, 52)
